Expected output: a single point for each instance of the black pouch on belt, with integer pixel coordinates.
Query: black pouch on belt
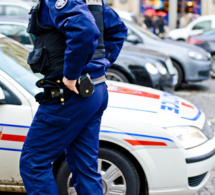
(85, 86)
(53, 89)
(38, 60)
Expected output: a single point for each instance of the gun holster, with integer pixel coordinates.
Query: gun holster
(85, 86)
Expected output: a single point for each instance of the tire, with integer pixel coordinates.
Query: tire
(212, 72)
(182, 40)
(179, 74)
(125, 182)
(116, 75)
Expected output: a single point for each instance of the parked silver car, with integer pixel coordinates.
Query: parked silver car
(191, 62)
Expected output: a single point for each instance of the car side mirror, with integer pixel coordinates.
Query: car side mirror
(133, 39)
(2, 97)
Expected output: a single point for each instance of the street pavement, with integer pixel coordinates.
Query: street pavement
(202, 94)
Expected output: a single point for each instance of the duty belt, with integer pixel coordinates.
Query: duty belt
(54, 88)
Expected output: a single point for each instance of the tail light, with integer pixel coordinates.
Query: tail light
(195, 41)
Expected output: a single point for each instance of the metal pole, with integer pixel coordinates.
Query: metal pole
(183, 7)
(173, 4)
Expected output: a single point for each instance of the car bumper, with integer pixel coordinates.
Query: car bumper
(166, 84)
(197, 70)
(168, 173)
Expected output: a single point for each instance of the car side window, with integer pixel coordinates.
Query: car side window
(10, 97)
(15, 11)
(202, 25)
(16, 32)
(130, 32)
(1, 10)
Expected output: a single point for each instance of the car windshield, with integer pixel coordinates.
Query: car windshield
(14, 62)
(144, 31)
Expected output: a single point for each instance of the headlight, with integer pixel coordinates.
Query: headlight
(151, 68)
(209, 55)
(188, 136)
(197, 56)
(161, 68)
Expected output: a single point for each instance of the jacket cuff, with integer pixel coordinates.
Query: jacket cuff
(72, 76)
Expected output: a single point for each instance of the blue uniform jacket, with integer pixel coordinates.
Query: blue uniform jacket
(76, 22)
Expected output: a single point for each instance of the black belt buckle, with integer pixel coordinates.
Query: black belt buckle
(85, 86)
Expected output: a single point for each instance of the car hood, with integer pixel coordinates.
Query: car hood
(204, 37)
(144, 105)
(171, 44)
(148, 52)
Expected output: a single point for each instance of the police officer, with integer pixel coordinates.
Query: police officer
(72, 38)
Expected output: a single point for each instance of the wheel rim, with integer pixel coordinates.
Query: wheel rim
(113, 180)
(113, 77)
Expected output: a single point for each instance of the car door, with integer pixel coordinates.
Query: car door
(200, 27)
(15, 119)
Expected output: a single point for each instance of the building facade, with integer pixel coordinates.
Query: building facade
(201, 7)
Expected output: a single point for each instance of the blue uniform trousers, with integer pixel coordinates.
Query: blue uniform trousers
(74, 127)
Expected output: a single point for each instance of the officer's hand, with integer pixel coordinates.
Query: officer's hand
(70, 84)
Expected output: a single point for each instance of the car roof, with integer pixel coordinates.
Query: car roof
(16, 3)
(205, 17)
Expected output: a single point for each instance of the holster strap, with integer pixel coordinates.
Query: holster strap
(98, 80)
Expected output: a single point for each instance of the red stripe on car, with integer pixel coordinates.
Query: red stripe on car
(187, 105)
(123, 90)
(144, 143)
(15, 138)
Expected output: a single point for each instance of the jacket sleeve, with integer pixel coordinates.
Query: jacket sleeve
(78, 25)
(115, 33)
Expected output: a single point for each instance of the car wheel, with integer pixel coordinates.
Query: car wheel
(116, 75)
(179, 74)
(119, 175)
(182, 40)
(212, 72)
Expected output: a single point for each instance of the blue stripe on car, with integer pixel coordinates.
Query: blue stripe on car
(138, 135)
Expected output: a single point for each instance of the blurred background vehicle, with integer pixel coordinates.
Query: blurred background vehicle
(127, 15)
(16, 29)
(191, 62)
(206, 41)
(17, 8)
(138, 68)
(195, 27)
(145, 70)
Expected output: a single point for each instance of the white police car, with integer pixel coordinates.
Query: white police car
(151, 142)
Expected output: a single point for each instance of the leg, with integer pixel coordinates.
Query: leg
(43, 145)
(82, 156)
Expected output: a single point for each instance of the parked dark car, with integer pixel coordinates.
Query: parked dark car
(207, 42)
(130, 67)
(135, 67)
(191, 62)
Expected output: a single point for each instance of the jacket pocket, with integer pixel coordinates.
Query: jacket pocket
(38, 60)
